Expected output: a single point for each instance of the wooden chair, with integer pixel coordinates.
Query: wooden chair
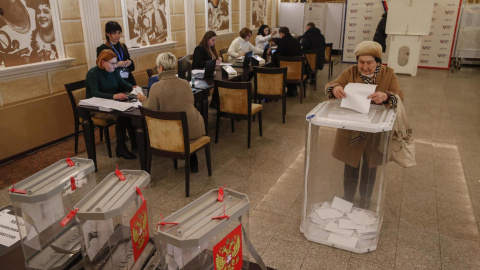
(295, 72)
(224, 54)
(151, 72)
(235, 102)
(167, 136)
(311, 57)
(270, 83)
(76, 91)
(328, 58)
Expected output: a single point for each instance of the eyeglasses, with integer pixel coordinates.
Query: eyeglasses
(113, 63)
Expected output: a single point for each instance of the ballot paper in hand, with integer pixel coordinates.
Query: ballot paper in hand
(357, 94)
(137, 90)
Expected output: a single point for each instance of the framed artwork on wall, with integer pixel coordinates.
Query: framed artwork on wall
(219, 16)
(258, 13)
(146, 22)
(29, 32)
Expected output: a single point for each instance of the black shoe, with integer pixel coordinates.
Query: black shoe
(123, 152)
(194, 169)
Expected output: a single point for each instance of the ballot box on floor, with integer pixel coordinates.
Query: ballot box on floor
(345, 172)
(209, 233)
(115, 224)
(41, 202)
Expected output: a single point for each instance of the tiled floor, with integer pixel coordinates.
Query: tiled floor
(431, 210)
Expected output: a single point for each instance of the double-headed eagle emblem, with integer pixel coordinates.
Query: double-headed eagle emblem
(139, 230)
(226, 258)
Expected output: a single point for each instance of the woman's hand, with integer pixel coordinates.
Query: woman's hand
(124, 63)
(274, 32)
(219, 60)
(378, 97)
(120, 96)
(241, 54)
(141, 97)
(338, 92)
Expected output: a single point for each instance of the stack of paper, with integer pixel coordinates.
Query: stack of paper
(106, 104)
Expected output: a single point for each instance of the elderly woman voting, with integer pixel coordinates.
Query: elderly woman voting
(357, 149)
(104, 81)
(172, 94)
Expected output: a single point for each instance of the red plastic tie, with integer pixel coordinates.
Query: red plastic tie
(69, 161)
(223, 216)
(139, 192)
(14, 190)
(120, 174)
(69, 217)
(165, 223)
(220, 193)
(72, 183)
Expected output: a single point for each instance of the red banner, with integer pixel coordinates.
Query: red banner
(139, 230)
(227, 254)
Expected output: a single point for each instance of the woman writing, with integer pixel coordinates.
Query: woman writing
(263, 36)
(172, 94)
(205, 51)
(113, 33)
(104, 81)
(359, 150)
(241, 45)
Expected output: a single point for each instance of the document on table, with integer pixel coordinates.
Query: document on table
(198, 71)
(226, 64)
(106, 104)
(357, 94)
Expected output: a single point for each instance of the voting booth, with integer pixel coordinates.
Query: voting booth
(41, 202)
(114, 222)
(207, 234)
(345, 167)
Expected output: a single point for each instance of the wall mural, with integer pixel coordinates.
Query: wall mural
(259, 13)
(218, 16)
(26, 32)
(147, 22)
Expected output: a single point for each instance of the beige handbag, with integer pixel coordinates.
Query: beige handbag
(402, 146)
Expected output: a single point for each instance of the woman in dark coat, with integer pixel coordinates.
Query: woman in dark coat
(205, 51)
(113, 33)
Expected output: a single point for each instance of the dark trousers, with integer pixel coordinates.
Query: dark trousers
(367, 180)
(123, 125)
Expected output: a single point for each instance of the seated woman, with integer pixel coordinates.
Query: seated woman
(205, 51)
(355, 147)
(172, 94)
(104, 81)
(113, 33)
(241, 45)
(263, 36)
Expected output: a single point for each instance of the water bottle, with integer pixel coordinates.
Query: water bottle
(193, 82)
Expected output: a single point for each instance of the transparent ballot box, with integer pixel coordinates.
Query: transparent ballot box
(114, 224)
(345, 168)
(41, 202)
(206, 233)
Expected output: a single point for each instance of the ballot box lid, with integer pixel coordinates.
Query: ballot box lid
(195, 220)
(330, 114)
(52, 180)
(112, 196)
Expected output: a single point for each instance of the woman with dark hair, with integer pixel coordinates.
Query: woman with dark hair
(113, 33)
(104, 81)
(43, 37)
(263, 36)
(205, 51)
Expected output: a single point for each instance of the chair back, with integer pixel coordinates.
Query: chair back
(295, 65)
(328, 52)
(311, 57)
(166, 131)
(151, 72)
(224, 54)
(270, 81)
(76, 91)
(234, 97)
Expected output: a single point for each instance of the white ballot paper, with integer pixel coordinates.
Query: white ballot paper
(137, 90)
(333, 227)
(357, 94)
(342, 240)
(328, 213)
(342, 205)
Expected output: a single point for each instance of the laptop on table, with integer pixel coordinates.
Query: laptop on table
(209, 70)
(246, 61)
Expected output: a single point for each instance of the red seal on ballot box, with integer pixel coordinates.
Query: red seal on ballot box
(227, 254)
(139, 230)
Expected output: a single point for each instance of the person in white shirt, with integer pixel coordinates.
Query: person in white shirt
(241, 45)
(263, 36)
